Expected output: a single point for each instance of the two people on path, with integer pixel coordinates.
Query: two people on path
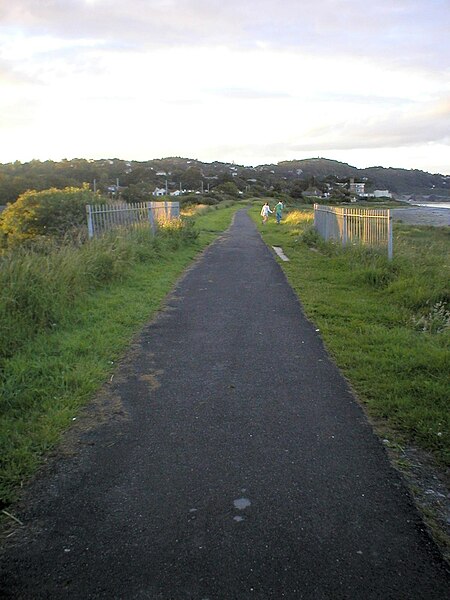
(265, 211)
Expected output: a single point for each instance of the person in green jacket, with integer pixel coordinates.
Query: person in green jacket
(279, 211)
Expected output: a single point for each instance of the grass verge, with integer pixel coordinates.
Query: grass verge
(387, 324)
(66, 316)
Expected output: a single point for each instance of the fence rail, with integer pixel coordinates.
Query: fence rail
(104, 217)
(371, 227)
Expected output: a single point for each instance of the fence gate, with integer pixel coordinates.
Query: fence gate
(104, 217)
(371, 227)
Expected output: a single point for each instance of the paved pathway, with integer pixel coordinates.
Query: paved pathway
(235, 464)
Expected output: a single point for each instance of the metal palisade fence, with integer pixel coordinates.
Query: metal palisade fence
(370, 227)
(104, 217)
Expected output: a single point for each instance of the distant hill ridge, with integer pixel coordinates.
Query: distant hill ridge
(17, 177)
(406, 181)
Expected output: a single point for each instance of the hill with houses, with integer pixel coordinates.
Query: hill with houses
(136, 180)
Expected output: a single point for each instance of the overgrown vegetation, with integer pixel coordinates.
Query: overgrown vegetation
(51, 213)
(67, 312)
(385, 323)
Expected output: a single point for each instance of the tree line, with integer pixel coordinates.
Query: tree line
(135, 181)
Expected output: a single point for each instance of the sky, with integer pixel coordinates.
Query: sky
(249, 81)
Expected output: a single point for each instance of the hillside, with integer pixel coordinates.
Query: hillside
(319, 167)
(138, 179)
(400, 181)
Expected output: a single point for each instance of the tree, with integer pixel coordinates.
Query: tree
(50, 212)
(298, 188)
(141, 192)
(229, 188)
(192, 178)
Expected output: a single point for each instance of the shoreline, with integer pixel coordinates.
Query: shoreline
(421, 214)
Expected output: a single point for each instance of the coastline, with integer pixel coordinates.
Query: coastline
(423, 214)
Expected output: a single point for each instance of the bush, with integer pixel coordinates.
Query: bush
(51, 213)
(311, 238)
(228, 188)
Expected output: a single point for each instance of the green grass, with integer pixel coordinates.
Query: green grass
(385, 323)
(66, 316)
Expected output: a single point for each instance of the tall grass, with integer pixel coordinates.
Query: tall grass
(41, 285)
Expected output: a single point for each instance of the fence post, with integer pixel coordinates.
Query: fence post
(89, 221)
(344, 227)
(390, 236)
(151, 216)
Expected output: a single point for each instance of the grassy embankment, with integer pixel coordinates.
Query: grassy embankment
(66, 316)
(385, 324)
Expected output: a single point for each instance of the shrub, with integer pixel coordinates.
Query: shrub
(51, 212)
(229, 188)
(311, 238)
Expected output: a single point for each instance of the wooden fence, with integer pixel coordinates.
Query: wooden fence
(104, 217)
(371, 227)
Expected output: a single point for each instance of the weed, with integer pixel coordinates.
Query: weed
(436, 320)
(311, 238)
(295, 217)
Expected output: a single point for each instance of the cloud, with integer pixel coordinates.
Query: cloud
(402, 32)
(431, 125)
(9, 75)
(193, 76)
(249, 94)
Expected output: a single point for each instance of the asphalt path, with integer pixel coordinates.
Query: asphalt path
(230, 460)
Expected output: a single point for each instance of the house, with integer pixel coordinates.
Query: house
(357, 188)
(382, 194)
(313, 191)
(159, 192)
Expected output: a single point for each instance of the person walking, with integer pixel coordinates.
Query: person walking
(279, 211)
(265, 211)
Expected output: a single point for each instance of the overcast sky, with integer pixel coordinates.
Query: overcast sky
(253, 81)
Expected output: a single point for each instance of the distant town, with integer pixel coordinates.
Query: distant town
(137, 181)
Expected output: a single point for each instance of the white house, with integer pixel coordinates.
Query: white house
(159, 192)
(382, 194)
(357, 188)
